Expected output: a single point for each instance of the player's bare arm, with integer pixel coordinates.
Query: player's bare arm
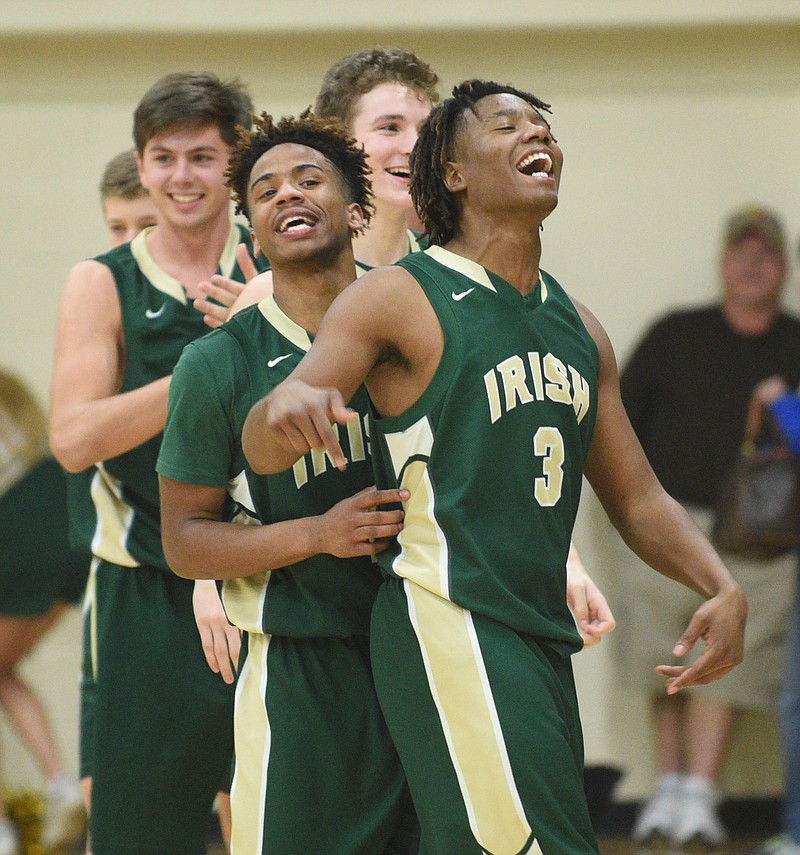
(90, 420)
(199, 545)
(660, 532)
(367, 335)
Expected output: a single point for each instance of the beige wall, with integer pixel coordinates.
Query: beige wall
(667, 121)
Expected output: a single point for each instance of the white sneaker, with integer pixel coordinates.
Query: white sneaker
(697, 813)
(9, 839)
(660, 813)
(64, 822)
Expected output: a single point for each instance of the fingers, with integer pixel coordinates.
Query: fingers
(310, 430)
(221, 289)
(371, 497)
(207, 640)
(685, 677)
(213, 315)
(245, 262)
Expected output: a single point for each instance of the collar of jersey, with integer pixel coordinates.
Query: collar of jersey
(284, 324)
(161, 280)
(472, 270)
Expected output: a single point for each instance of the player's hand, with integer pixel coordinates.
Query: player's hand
(357, 526)
(589, 607)
(223, 290)
(221, 641)
(302, 418)
(720, 623)
(768, 391)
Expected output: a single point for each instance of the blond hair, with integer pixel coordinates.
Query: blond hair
(23, 430)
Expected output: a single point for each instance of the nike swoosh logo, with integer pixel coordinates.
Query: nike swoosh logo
(149, 313)
(273, 362)
(463, 294)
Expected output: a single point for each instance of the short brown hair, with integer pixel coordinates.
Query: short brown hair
(358, 73)
(192, 99)
(120, 178)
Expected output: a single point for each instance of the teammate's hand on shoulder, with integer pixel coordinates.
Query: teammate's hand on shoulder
(221, 292)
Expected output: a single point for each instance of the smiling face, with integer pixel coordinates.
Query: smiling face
(506, 158)
(387, 122)
(300, 208)
(184, 170)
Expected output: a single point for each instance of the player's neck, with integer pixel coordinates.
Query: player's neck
(189, 255)
(304, 291)
(513, 254)
(385, 240)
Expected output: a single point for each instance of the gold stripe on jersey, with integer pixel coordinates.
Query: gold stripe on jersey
(284, 324)
(167, 284)
(114, 520)
(424, 559)
(253, 742)
(460, 689)
(243, 598)
(465, 266)
(90, 613)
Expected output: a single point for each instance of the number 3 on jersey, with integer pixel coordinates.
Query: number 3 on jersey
(549, 444)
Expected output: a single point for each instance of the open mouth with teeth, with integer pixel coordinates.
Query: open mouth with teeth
(297, 223)
(539, 163)
(399, 172)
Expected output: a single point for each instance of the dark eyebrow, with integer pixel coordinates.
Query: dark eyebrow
(389, 117)
(513, 113)
(301, 167)
(200, 148)
(502, 114)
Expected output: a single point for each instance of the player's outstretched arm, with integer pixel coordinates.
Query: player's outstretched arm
(90, 420)
(589, 607)
(660, 531)
(357, 332)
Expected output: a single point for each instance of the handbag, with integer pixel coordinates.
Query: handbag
(758, 510)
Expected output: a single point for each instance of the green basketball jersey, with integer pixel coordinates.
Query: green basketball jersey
(216, 382)
(158, 321)
(493, 451)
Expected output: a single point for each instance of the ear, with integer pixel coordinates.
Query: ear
(140, 168)
(453, 178)
(355, 218)
(256, 244)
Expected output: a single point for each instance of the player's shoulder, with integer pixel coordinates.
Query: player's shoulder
(385, 278)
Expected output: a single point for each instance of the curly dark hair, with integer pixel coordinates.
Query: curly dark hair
(326, 136)
(437, 207)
